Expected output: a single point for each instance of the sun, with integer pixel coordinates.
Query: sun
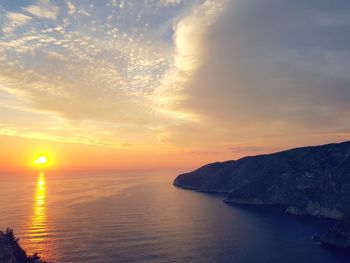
(41, 160)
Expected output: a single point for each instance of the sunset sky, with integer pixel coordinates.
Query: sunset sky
(169, 83)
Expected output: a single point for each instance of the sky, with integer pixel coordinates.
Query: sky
(114, 84)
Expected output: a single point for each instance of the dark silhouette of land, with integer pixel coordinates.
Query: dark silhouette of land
(313, 181)
(11, 252)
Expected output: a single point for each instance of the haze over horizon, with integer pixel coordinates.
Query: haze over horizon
(170, 83)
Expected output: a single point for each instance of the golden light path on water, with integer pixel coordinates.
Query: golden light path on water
(38, 228)
(39, 210)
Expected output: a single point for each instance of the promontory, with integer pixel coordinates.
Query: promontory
(313, 180)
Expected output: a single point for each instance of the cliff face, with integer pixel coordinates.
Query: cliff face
(338, 236)
(11, 252)
(308, 181)
(6, 251)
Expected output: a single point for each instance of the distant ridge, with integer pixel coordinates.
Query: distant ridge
(313, 180)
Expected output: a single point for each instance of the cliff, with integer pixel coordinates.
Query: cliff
(11, 252)
(307, 181)
(338, 236)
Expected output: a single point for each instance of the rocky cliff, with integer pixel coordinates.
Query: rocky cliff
(307, 181)
(338, 236)
(11, 252)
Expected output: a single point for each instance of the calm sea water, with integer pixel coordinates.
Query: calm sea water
(130, 217)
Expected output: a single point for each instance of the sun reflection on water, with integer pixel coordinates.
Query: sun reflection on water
(38, 228)
(39, 210)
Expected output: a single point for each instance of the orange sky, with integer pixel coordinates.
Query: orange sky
(18, 155)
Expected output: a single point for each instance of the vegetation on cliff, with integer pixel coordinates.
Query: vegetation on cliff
(11, 252)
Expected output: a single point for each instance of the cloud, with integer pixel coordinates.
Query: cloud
(43, 9)
(189, 33)
(15, 20)
(245, 149)
(71, 7)
(88, 69)
(170, 2)
(271, 68)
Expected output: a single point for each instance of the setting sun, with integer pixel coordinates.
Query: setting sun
(41, 160)
(41, 157)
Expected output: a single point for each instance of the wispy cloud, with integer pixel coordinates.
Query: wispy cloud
(43, 9)
(71, 7)
(246, 149)
(90, 69)
(170, 2)
(15, 20)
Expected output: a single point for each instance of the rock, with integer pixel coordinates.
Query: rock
(6, 251)
(338, 236)
(307, 181)
(11, 252)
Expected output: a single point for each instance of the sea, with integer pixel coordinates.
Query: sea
(125, 216)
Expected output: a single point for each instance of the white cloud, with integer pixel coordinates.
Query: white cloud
(170, 2)
(43, 9)
(71, 7)
(188, 37)
(15, 20)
